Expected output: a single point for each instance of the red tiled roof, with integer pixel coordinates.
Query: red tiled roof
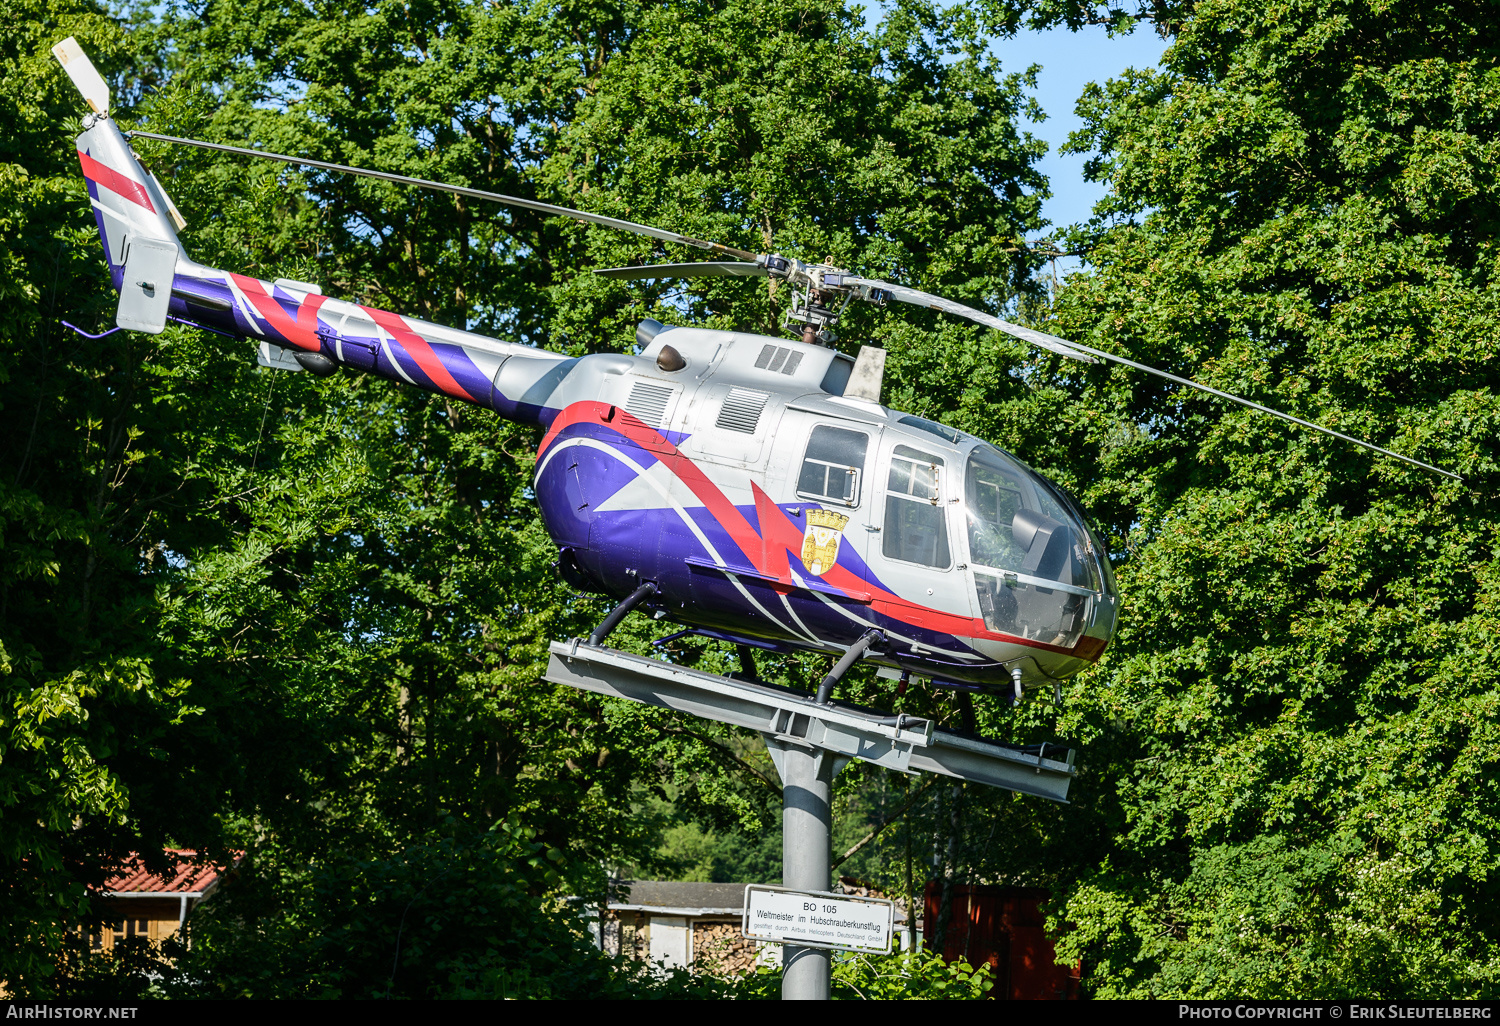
(182, 875)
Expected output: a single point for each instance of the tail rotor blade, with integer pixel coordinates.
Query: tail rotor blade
(83, 73)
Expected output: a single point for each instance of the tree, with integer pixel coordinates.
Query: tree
(95, 482)
(1294, 731)
(344, 582)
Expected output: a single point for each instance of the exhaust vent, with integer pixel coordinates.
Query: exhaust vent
(646, 331)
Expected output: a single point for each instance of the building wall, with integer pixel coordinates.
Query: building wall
(671, 941)
(1004, 927)
(156, 919)
(712, 942)
(634, 936)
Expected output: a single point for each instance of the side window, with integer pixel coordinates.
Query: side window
(834, 465)
(915, 529)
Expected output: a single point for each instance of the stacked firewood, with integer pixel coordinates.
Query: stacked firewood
(722, 948)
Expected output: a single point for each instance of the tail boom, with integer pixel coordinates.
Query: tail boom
(514, 380)
(130, 206)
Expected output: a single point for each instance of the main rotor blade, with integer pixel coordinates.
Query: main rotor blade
(915, 297)
(1075, 350)
(459, 190)
(707, 269)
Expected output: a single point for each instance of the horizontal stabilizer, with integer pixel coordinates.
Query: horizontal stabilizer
(277, 358)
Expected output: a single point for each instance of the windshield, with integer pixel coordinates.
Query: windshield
(1035, 562)
(1016, 525)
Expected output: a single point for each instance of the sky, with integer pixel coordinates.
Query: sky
(1069, 61)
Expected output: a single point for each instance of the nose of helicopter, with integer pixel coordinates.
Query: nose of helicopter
(1039, 571)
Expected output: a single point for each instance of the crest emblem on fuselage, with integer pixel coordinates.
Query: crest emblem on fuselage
(820, 544)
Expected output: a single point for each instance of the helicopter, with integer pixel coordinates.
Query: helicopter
(748, 487)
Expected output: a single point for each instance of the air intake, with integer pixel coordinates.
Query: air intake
(780, 359)
(741, 410)
(648, 402)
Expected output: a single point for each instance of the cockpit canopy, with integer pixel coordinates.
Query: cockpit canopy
(1038, 568)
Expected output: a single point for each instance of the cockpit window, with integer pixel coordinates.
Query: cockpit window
(915, 526)
(1090, 554)
(1034, 561)
(993, 499)
(833, 465)
(1017, 526)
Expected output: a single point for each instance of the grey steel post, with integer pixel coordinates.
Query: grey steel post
(806, 858)
(810, 742)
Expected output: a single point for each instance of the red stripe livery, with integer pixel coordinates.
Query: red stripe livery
(421, 351)
(302, 332)
(767, 548)
(115, 182)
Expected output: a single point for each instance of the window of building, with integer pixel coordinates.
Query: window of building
(833, 466)
(915, 526)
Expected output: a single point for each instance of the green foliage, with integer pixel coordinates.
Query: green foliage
(909, 976)
(94, 722)
(1292, 736)
(308, 618)
(454, 916)
(907, 163)
(132, 970)
(897, 976)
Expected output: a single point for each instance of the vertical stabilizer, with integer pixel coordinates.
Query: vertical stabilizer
(135, 224)
(128, 203)
(137, 221)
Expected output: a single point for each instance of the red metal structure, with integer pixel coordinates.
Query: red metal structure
(1005, 927)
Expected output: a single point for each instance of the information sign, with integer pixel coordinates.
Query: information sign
(818, 919)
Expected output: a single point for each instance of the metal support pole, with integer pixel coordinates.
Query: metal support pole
(806, 859)
(809, 743)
